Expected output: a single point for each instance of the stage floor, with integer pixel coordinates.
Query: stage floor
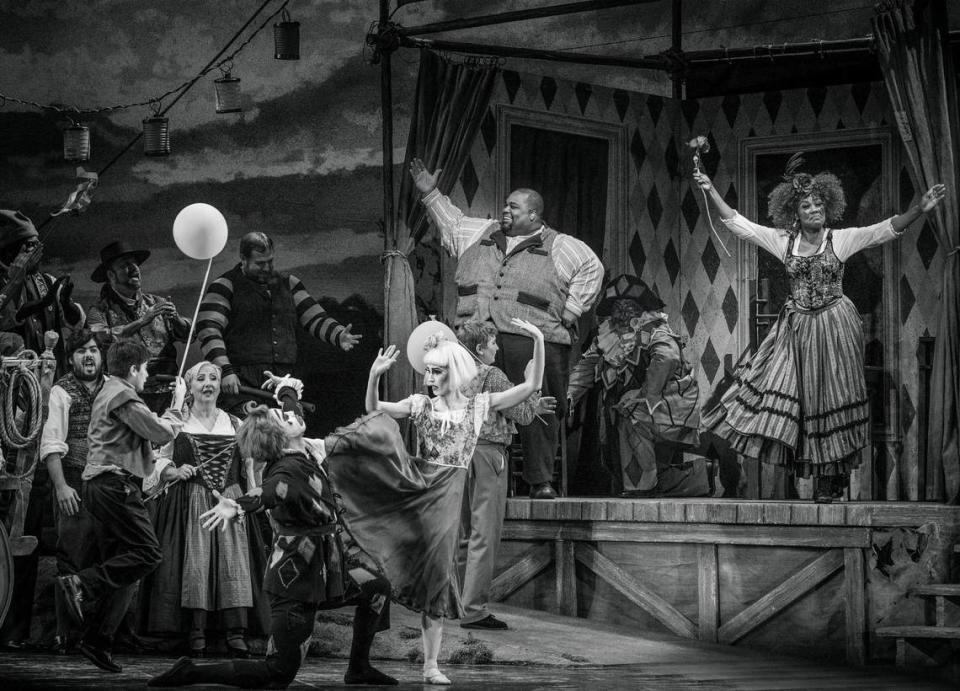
(539, 651)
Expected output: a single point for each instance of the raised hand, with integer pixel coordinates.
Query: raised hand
(932, 197)
(221, 514)
(385, 360)
(423, 179)
(528, 327)
(349, 340)
(702, 180)
(179, 393)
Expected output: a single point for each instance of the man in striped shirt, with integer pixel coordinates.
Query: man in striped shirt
(518, 266)
(249, 316)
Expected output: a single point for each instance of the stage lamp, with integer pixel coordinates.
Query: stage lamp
(76, 143)
(286, 38)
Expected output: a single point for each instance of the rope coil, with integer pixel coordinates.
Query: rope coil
(20, 385)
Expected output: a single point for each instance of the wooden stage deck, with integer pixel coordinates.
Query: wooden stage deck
(787, 576)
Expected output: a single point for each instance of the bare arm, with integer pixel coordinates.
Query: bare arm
(928, 202)
(384, 361)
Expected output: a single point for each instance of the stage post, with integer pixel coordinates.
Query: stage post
(855, 606)
(708, 595)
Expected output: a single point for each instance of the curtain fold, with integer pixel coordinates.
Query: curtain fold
(449, 106)
(912, 44)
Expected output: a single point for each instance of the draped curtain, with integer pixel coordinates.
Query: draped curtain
(449, 105)
(911, 38)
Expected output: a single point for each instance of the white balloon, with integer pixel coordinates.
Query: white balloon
(200, 231)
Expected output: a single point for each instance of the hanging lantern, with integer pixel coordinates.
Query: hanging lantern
(286, 38)
(76, 143)
(228, 94)
(156, 136)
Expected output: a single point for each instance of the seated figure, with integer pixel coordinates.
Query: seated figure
(649, 399)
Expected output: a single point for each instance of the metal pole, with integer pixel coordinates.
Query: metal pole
(677, 45)
(386, 107)
(517, 16)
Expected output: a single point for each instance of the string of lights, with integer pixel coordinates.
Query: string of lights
(215, 64)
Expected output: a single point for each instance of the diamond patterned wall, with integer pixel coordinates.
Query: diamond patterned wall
(670, 244)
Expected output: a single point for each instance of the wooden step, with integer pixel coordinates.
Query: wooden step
(941, 589)
(949, 632)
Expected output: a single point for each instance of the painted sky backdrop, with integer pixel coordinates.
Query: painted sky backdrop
(302, 161)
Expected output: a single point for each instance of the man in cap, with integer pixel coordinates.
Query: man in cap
(518, 266)
(649, 399)
(123, 310)
(31, 301)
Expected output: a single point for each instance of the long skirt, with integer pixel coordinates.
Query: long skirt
(801, 400)
(401, 510)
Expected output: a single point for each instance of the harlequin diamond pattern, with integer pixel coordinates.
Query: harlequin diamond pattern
(908, 413)
(772, 101)
(907, 299)
(654, 207)
(710, 260)
(731, 197)
(488, 130)
(512, 81)
(469, 180)
(691, 315)
(906, 188)
(637, 256)
(671, 158)
(731, 106)
(927, 245)
(655, 106)
(709, 361)
(548, 89)
(621, 100)
(817, 95)
(861, 92)
(690, 209)
(671, 261)
(731, 309)
(637, 150)
(690, 107)
(583, 92)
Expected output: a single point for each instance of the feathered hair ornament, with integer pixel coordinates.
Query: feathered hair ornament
(433, 340)
(785, 197)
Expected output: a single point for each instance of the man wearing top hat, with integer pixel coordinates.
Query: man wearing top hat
(123, 310)
(649, 398)
(31, 301)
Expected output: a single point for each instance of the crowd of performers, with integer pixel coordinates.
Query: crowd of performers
(236, 527)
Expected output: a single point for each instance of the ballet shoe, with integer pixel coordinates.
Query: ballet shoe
(436, 678)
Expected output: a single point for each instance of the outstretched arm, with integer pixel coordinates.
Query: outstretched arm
(384, 361)
(518, 393)
(928, 202)
(725, 210)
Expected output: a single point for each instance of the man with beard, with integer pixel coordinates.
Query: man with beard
(519, 268)
(248, 319)
(125, 311)
(32, 302)
(63, 448)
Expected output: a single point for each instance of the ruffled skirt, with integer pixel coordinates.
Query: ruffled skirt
(801, 400)
(401, 510)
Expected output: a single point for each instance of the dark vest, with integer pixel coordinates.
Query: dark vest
(494, 286)
(81, 401)
(262, 324)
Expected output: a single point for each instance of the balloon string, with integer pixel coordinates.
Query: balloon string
(196, 313)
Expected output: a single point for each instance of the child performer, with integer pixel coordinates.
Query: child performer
(309, 568)
(406, 511)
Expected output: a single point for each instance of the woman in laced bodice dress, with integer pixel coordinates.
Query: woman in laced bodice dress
(801, 401)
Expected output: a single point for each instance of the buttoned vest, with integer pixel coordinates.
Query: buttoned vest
(81, 402)
(262, 326)
(495, 286)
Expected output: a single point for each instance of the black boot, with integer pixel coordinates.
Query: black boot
(359, 671)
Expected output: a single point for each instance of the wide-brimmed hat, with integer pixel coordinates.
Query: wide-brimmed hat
(112, 251)
(14, 226)
(627, 287)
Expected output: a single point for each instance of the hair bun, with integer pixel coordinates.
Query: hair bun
(433, 340)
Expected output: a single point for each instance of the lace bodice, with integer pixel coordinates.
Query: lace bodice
(817, 280)
(448, 437)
